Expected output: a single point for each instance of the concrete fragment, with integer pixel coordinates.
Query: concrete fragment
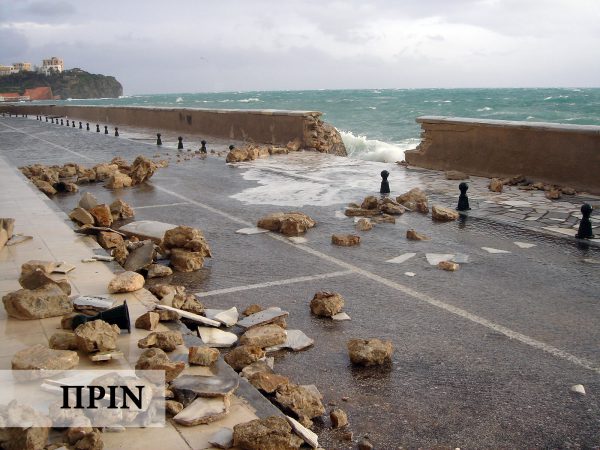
(102, 215)
(345, 240)
(202, 356)
(360, 212)
(243, 355)
(251, 230)
(264, 336)
(33, 264)
(158, 271)
(147, 229)
(38, 279)
(214, 337)
(448, 266)
(47, 301)
(553, 194)
(81, 216)
(222, 438)
(341, 316)
(271, 433)
(309, 436)
(39, 357)
(302, 401)
(370, 352)
(141, 257)
(326, 304)
(97, 335)
(109, 240)
(121, 210)
(412, 235)
(338, 418)
(157, 359)
(147, 321)
(578, 389)
(227, 317)
(443, 214)
(288, 224)
(262, 317)
(165, 340)
(267, 381)
(126, 282)
(391, 207)
(187, 387)
(203, 410)
(106, 355)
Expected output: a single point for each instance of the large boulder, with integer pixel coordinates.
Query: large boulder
(244, 355)
(47, 301)
(187, 238)
(289, 224)
(272, 433)
(326, 304)
(97, 335)
(370, 352)
(302, 401)
(264, 336)
(443, 214)
(142, 170)
(126, 282)
(157, 359)
(165, 340)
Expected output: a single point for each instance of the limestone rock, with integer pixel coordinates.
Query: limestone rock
(364, 224)
(63, 340)
(345, 240)
(365, 444)
(496, 185)
(264, 336)
(167, 316)
(185, 302)
(294, 146)
(456, 175)
(157, 359)
(391, 207)
(34, 436)
(147, 321)
(568, 190)
(39, 357)
(142, 170)
(258, 366)
(33, 264)
(241, 356)
(104, 171)
(358, 212)
(302, 401)
(162, 290)
(448, 265)
(289, 224)
(370, 352)
(126, 282)
(370, 202)
(81, 216)
(202, 356)
(44, 186)
(267, 382)
(553, 194)
(326, 304)
(97, 335)
(186, 261)
(38, 278)
(338, 418)
(236, 155)
(165, 340)
(252, 309)
(158, 270)
(47, 301)
(188, 238)
(203, 410)
(121, 210)
(172, 407)
(118, 180)
(91, 441)
(412, 197)
(422, 207)
(102, 215)
(443, 214)
(120, 253)
(384, 218)
(412, 235)
(108, 239)
(272, 433)
(88, 201)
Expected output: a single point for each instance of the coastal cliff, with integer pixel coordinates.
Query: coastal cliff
(74, 83)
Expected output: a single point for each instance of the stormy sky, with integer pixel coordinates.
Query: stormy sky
(230, 45)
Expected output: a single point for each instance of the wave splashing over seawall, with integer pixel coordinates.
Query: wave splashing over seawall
(373, 150)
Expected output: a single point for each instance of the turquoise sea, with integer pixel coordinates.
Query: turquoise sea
(379, 124)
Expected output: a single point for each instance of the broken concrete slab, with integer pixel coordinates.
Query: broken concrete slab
(187, 388)
(140, 257)
(409, 274)
(435, 258)
(203, 410)
(262, 317)
(223, 438)
(63, 267)
(213, 337)
(400, 259)
(302, 401)
(295, 340)
(227, 317)
(494, 250)
(298, 239)
(341, 316)
(251, 231)
(147, 229)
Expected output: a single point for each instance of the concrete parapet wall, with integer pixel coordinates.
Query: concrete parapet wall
(260, 126)
(566, 155)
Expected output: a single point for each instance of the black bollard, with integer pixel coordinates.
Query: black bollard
(51, 119)
(61, 122)
(203, 148)
(585, 225)
(180, 145)
(116, 132)
(385, 186)
(80, 126)
(46, 118)
(231, 147)
(73, 122)
(463, 200)
(105, 129)
(158, 141)
(97, 128)
(87, 126)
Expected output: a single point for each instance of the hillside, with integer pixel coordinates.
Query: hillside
(74, 83)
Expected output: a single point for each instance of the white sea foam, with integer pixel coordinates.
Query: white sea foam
(485, 108)
(372, 107)
(179, 100)
(249, 100)
(373, 150)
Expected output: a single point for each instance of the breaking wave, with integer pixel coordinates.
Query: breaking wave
(373, 150)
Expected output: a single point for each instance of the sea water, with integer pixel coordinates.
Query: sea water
(379, 124)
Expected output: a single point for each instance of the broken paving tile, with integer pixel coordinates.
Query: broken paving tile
(203, 410)
(262, 317)
(213, 337)
(251, 230)
(401, 258)
(460, 258)
(140, 257)
(63, 267)
(567, 231)
(341, 316)
(409, 274)
(298, 239)
(99, 302)
(106, 356)
(435, 258)
(223, 438)
(296, 340)
(227, 317)
(187, 387)
(147, 229)
(523, 244)
(494, 250)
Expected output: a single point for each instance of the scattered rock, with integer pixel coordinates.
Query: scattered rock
(81, 216)
(370, 202)
(119, 180)
(272, 433)
(157, 359)
(370, 352)
(326, 304)
(296, 340)
(365, 444)
(345, 240)
(448, 265)
(140, 257)
(262, 365)
(167, 316)
(384, 218)
(97, 336)
(341, 316)
(126, 282)
(443, 214)
(172, 407)
(44, 186)
(39, 357)
(412, 235)
(33, 436)
(288, 224)
(241, 356)
(361, 212)
(568, 190)
(142, 170)
(121, 210)
(63, 340)
(91, 441)
(214, 337)
(236, 155)
(120, 253)
(162, 290)
(364, 224)
(309, 436)
(578, 389)
(264, 336)
(391, 207)
(47, 301)
(412, 197)
(104, 171)
(165, 340)
(553, 194)
(109, 240)
(227, 317)
(158, 270)
(202, 356)
(187, 238)
(203, 410)
(338, 418)
(267, 382)
(102, 215)
(302, 401)
(88, 201)
(38, 278)
(496, 185)
(147, 321)
(456, 175)
(252, 309)
(185, 302)
(186, 261)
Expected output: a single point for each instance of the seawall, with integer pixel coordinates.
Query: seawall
(259, 126)
(566, 155)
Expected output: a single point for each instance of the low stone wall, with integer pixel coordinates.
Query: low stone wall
(566, 155)
(260, 126)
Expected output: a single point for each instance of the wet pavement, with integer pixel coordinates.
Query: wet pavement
(484, 357)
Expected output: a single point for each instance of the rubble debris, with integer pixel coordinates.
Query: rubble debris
(496, 185)
(358, 212)
(148, 321)
(288, 224)
(38, 278)
(44, 359)
(295, 340)
(158, 271)
(264, 317)
(262, 365)
(165, 340)
(364, 224)
(186, 302)
(241, 356)
(341, 316)
(191, 316)
(213, 337)
(44, 186)
(435, 258)
(63, 340)
(578, 389)
(370, 352)
(222, 438)
(47, 301)
(102, 215)
(172, 407)
(309, 436)
(109, 240)
(15, 239)
(553, 194)
(97, 336)
(186, 261)
(147, 229)
(157, 359)
(203, 410)
(326, 304)
(267, 381)
(389, 206)
(126, 282)
(162, 290)
(413, 235)
(304, 402)
(413, 198)
(264, 336)
(187, 238)
(252, 309)
(443, 214)
(187, 388)
(202, 356)
(448, 266)
(15, 436)
(345, 240)
(338, 417)
(227, 317)
(121, 210)
(370, 202)
(456, 175)
(140, 257)
(81, 216)
(384, 218)
(271, 433)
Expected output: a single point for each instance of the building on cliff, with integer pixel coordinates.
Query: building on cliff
(22, 67)
(53, 64)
